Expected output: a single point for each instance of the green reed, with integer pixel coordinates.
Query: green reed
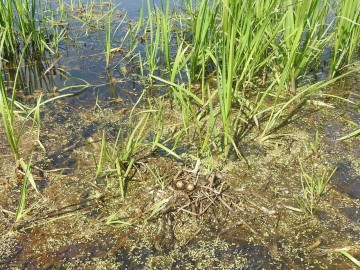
(108, 43)
(11, 110)
(152, 46)
(303, 40)
(110, 33)
(7, 107)
(7, 113)
(134, 30)
(234, 63)
(347, 34)
(284, 40)
(118, 158)
(203, 29)
(165, 22)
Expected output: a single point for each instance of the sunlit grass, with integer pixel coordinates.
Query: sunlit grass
(347, 34)
(282, 42)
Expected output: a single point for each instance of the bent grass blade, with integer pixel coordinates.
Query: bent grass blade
(345, 252)
(28, 178)
(158, 206)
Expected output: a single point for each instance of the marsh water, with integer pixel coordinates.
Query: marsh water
(78, 221)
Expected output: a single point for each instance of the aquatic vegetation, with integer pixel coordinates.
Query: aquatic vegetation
(21, 19)
(108, 43)
(119, 158)
(228, 65)
(236, 86)
(110, 33)
(160, 180)
(281, 42)
(10, 110)
(152, 42)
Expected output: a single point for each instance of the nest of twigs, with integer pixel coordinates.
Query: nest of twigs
(196, 193)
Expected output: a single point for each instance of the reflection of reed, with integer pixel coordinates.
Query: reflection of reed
(34, 74)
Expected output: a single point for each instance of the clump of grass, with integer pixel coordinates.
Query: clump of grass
(303, 40)
(314, 185)
(230, 45)
(119, 157)
(10, 108)
(143, 135)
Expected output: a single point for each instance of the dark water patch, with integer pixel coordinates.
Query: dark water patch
(135, 258)
(346, 179)
(260, 260)
(201, 255)
(352, 212)
(77, 254)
